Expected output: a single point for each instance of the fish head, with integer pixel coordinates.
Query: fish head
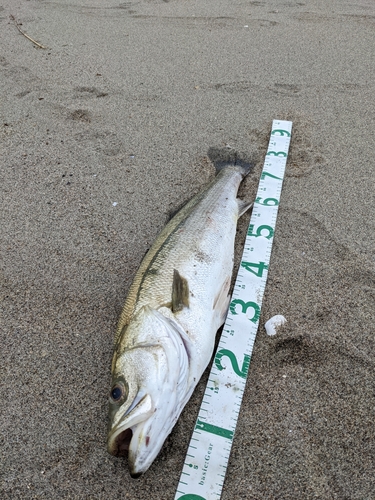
(149, 384)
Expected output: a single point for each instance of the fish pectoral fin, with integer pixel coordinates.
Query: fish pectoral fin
(243, 206)
(221, 302)
(180, 292)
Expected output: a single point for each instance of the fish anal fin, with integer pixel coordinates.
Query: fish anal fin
(221, 302)
(180, 292)
(243, 206)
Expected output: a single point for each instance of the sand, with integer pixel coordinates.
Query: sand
(108, 130)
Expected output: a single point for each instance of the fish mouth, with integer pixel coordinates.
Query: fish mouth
(120, 437)
(121, 443)
(119, 446)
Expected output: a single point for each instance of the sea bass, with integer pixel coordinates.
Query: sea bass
(166, 333)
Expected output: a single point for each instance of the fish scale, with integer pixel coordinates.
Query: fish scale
(206, 461)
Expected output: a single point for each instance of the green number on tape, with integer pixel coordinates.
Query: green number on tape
(245, 365)
(259, 231)
(269, 175)
(280, 132)
(268, 202)
(245, 306)
(259, 267)
(276, 153)
(190, 496)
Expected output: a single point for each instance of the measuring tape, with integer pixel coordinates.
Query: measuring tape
(207, 457)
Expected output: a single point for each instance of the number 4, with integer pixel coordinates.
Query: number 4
(259, 267)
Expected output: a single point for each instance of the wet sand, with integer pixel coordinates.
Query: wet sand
(122, 107)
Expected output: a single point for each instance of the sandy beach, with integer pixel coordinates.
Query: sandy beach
(104, 133)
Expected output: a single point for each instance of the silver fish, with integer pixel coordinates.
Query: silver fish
(166, 333)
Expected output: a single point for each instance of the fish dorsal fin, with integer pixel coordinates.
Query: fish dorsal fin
(243, 206)
(180, 292)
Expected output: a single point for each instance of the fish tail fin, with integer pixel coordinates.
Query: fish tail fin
(228, 157)
(245, 166)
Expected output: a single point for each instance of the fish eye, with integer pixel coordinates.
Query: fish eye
(118, 392)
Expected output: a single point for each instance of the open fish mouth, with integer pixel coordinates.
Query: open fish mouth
(120, 438)
(121, 443)
(119, 446)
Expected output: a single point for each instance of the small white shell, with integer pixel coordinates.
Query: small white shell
(272, 324)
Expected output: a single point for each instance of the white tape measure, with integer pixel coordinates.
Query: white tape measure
(207, 457)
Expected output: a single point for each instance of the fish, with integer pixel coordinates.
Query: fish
(165, 336)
